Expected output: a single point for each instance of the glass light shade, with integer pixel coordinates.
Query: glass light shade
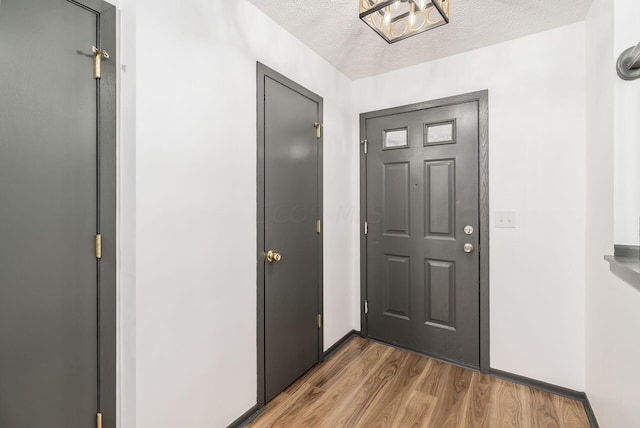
(396, 20)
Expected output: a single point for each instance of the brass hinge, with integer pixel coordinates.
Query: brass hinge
(318, 129)
(99, 420)
(98, 246)
(366, 227)
(318, 226)
(319, 321)
(97, 62)
(365, 145)
(366, 306)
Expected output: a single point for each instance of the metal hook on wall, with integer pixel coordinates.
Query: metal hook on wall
(628, 64)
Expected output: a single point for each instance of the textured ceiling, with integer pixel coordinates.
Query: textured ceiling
(333, 29)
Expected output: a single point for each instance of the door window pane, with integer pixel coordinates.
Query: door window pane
(440, 133)
(395, 138)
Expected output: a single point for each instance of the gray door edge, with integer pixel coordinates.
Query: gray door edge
(107, 194)
(482, 98)
(262, 72)
(107, 136)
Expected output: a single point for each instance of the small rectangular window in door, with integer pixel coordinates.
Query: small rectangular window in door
(440, 133)
(395, 139)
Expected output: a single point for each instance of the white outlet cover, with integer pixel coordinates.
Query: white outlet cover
(505, 219)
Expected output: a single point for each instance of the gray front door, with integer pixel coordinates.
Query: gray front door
(290, 252)
(423, 231)
(50, 297)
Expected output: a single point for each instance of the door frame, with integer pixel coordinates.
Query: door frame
(482, 98)
(265, 72)
(107, 194)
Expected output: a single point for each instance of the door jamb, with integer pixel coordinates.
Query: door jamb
(482, 98)
(264, 72)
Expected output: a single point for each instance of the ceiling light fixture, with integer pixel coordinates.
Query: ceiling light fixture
(396, 20)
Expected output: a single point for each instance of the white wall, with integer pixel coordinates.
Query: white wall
(612, 315)
(187, 130)
(537, 168)
(626, 129)
(195, 166)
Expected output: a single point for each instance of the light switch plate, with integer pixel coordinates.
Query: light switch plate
(505, 219)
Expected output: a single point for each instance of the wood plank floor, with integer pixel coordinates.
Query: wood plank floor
(368, 384)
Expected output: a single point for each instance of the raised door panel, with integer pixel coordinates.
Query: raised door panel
(440, 206)
(440, 293)
(396, 207)
(396, 284)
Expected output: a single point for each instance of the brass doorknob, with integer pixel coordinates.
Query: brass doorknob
(272, 256)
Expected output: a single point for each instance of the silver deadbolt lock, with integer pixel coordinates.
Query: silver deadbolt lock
(468, 230)
(468, 248)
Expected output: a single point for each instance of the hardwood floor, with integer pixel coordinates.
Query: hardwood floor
(368, 384)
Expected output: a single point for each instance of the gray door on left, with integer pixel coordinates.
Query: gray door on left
(291, 195)
(49, 216)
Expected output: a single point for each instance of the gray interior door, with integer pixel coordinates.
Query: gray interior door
(423, 231)
(292, 276)
(49, 217)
